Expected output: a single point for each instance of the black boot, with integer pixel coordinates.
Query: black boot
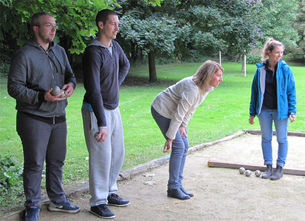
(268, 172)
(186, 192)
(177, 193)
(278, 173)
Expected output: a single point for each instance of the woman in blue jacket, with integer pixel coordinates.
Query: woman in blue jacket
(273, 99)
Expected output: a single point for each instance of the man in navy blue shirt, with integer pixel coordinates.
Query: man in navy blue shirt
(105, 67)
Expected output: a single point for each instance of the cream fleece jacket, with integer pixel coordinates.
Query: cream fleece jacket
(178, 103)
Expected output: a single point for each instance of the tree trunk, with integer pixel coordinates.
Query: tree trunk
(244, 67)
(152, 66)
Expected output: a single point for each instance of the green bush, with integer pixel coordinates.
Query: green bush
(4, 68)
(5, 58)
(253, 58)
(10, 174)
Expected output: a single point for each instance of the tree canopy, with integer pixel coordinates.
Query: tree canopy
(75, 18)
(189, 28)
(175, 29)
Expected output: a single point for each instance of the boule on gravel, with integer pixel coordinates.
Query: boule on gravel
(242, 170)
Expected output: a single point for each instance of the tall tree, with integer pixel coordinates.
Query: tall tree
(151, 35)
(298, 51)
(75, 19)
(190, 28)
(278, 18)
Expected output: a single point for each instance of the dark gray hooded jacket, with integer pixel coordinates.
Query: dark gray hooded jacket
(33, 71)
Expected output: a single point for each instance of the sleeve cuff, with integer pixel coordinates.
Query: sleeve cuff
(41, 97)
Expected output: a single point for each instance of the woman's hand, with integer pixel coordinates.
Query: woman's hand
(292, 118)
(251, 120)
(182, 131)
(168, 145)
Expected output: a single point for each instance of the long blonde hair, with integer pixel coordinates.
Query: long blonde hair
(270, 44)
(204, 73)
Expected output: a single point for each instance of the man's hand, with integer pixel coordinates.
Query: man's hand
(69, 88)
(49, 97)
(102, 135)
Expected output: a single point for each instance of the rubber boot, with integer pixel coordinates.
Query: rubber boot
(268, 172)
(278, 173)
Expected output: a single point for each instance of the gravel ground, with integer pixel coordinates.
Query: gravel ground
(220, 193)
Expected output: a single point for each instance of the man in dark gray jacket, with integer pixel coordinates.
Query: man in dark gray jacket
(105, 67)
(35, 70)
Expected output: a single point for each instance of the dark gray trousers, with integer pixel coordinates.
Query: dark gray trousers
(42, 142)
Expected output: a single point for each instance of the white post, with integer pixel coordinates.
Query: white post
(220, 57)
(245, 63)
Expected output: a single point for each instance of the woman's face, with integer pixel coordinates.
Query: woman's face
(276, 54)
(216, 79)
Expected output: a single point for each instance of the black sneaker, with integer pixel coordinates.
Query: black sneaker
(115, 200)
(31, 214)
(102, 211)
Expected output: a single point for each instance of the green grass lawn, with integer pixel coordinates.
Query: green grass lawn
(224, 112)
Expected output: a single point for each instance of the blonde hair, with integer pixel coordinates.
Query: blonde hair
(270, 44)
(204, 74)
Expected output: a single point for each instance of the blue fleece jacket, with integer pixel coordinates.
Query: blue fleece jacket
(286, 91)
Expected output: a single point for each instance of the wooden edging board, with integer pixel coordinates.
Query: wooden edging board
(219, 164)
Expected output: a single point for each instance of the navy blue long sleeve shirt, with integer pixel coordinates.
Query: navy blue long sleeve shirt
(103, 73)
(270, 95)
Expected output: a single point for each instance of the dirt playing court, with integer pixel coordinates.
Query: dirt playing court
(220, 194)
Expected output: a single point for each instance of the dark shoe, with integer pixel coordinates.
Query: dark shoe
(102, 211)
(177, 193)
(66, 208)
(32, 214)
(115, 200)
(186, 193)
(278, 173)
(268, 172)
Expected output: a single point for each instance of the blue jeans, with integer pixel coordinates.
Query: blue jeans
(281, 127)
(178, 154)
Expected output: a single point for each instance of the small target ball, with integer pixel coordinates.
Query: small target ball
(248, 173)
(257, 173)
(242, 170)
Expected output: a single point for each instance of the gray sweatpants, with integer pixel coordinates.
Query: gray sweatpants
(106, 158)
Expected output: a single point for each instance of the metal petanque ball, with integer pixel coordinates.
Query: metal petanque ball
(56, 90)
(95, 136)
(242, 170)
(63, 94)
(248, 173)
(258, 173)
